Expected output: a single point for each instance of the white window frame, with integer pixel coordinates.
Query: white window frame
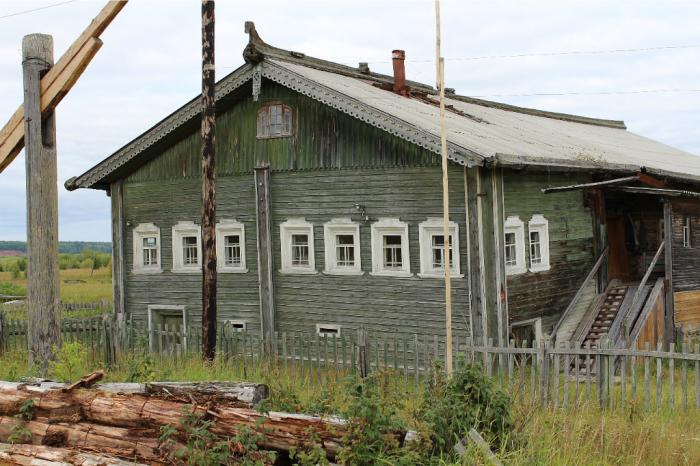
(341, 226)
(426, 230)
(141, 232)
(384, 227)
(536, 322)
(687, 232)
(538, 223)
(296, 226)
(335, 327)
(513, 224)
(168, 308)
(227, 228)
(232, 322)
(180, 230)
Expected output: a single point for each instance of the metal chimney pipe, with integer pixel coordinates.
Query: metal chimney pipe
(398, 57)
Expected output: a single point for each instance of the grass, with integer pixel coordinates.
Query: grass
(584, 435)
(77, 285)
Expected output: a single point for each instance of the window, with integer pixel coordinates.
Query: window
(167, 328)
(538, 228)
(342, 247)
(187, 248)
(234, 325)
(514, 245)
(328, 330)
(274, 121)
(390, 248)
(146, 238)
(297, 242)
(686, 232)
(230, 247)
(432, 248)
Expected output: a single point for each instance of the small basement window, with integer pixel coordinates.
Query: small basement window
(686, 232)
(230, 247)
(187, 248)
(235, 325)
(514, 245)
(297, 242)
(390, 248)
(146, 238)
(432, 248)
(328, 330)
(274, 121)
(342, 243)
(538, 228)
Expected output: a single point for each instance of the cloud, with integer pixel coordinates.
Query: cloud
(149, 66)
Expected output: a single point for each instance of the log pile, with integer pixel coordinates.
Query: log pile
(123, 421)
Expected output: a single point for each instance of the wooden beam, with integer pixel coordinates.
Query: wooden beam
(209, 272)
(668, 274)
(43, 313)
(560, 189)
(263, 224)
(58, 80)
(650, 180)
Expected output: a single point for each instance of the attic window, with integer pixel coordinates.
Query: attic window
(274, 121)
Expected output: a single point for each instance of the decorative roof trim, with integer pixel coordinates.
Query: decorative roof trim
(166, 126)
(368, 114)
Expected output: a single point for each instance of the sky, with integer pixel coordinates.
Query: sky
(567, 55)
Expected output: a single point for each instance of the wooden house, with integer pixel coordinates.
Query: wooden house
(329, 206)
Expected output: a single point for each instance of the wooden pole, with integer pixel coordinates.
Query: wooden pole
(42, 207)
(208, 185)
(668, 326)
(445, 196)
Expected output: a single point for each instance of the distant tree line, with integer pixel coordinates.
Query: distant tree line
(87, 259)
(66, 247)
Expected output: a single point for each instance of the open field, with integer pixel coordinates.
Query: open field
(77, 285)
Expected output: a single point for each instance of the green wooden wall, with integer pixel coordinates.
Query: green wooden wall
(546, 294)
(380, 303)
(323, 138)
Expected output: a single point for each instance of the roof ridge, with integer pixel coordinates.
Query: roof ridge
(257, 50)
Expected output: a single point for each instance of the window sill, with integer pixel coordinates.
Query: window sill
(516, 271)
(440, 275)
(541, 268)
(344, 272)
(299, 271)
(146, 271)
(230, 270)
(392, 273)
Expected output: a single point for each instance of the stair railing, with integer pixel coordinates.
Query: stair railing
(579, 293)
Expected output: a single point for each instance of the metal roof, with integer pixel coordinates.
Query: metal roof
(479, 131)
(513, 137)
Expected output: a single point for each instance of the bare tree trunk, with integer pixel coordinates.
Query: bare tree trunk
(42, 207)
(208, 184)
(48, 456)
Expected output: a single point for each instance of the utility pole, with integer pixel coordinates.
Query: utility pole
(43, 296)
(440, 62)
(208, 185)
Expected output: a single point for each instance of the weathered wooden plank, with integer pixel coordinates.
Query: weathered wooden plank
(56, 83)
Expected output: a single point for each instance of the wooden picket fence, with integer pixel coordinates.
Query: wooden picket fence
(553, 376)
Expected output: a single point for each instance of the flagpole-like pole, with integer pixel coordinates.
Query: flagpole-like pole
(447, 243)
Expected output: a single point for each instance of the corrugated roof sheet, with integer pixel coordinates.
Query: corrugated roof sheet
(515, 137)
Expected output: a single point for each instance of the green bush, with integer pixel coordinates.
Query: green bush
(452, 406)
(12, 289)
(70, 363)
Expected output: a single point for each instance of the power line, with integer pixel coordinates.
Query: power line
(36, 9)
(554, 94)
(542, 54)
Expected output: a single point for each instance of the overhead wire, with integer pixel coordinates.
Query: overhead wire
(33, 10)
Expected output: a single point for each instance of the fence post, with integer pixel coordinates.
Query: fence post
(2, 332)
(542, 366)
(362, 361)
(603, 373)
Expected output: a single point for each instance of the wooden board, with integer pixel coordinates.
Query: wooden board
(58, 80)
(687, 307)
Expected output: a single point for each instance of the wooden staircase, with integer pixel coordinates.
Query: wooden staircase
(606, 314)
